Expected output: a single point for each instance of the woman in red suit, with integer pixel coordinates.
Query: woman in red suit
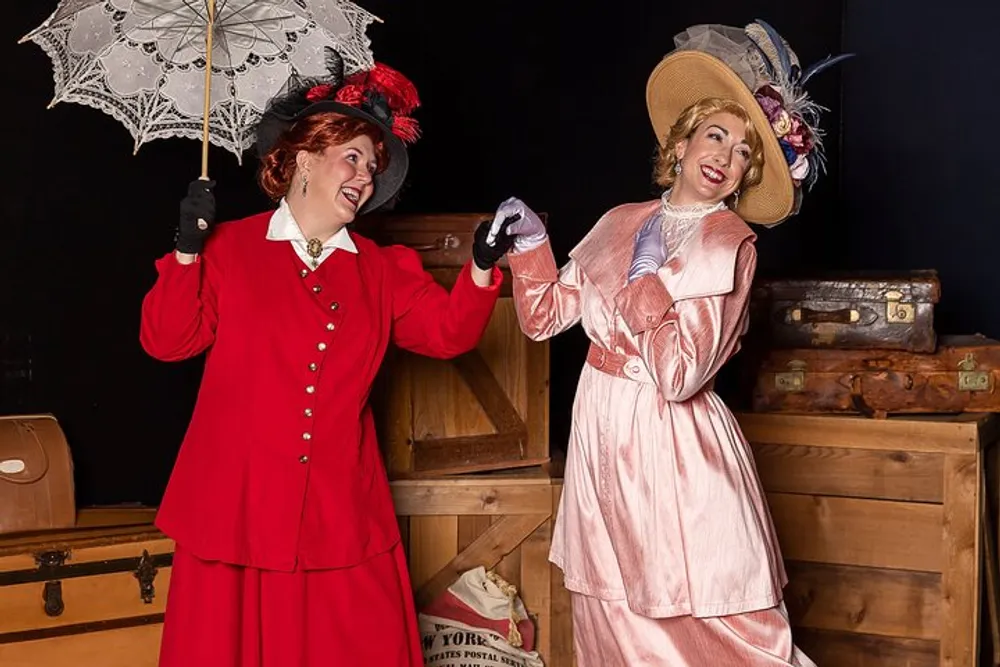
(287, 548)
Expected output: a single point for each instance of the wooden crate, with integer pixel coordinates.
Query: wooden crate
(499, 521)
(881, 529)
(484, 410)
(92, 596)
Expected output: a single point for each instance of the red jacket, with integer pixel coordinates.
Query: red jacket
(280, 467)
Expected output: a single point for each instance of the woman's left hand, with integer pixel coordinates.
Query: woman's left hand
(648, 253)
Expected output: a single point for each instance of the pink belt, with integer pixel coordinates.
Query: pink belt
(618, 365)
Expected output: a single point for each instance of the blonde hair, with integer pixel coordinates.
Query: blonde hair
(689, 120)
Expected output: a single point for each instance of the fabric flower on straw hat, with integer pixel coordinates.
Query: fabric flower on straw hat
(755, 67)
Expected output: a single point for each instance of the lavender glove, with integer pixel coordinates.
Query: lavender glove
(648, 254)
(528, 232)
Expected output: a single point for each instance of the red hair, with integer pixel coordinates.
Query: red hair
(314, 134)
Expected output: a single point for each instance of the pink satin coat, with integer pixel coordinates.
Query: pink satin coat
(662, 505)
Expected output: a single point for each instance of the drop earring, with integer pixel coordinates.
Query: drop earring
(305, 183)
(678, 168)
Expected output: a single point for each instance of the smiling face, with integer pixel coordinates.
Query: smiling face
(341, 177)
(713, 160)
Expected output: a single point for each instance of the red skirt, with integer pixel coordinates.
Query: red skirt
(222, 615)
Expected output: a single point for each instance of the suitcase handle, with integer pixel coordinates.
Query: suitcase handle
(446, 242)
(810, 316)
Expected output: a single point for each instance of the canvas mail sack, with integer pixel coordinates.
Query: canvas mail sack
(36, 475)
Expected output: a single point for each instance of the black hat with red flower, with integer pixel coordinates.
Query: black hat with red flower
(381, 95)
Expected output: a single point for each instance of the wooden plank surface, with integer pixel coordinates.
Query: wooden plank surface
(859, 473)
(960, 579)
(845, 649)
(414, 498)
(851, 531)
(871, 601)
(127, 647)
(957, 434)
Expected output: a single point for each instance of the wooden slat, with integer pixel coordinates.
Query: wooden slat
(960, 578)
(912, 434)
(537, 397)
(851, 531)
(486, 551)
(115, 515)
(990, 574)
(419, 498)
(396, 387)
(127, 647)
(872, 601)
(509, 567)
(535, 588)
(561, 643)
(86, 599)
(859, 473)
(15, 551)
(433, 544)
(844, 649)
(484, 385)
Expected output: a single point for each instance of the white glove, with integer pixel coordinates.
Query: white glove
(528, 231)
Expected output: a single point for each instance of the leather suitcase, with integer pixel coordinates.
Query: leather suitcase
(36, 475)
(90, 596)
(864, 310)
(961, 376)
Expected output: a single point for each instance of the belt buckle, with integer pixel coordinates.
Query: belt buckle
(602, 358)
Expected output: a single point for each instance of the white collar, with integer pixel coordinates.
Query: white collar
(284, 228)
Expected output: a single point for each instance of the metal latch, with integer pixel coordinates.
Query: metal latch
(896, 312)
(969, 379)
(793, 380)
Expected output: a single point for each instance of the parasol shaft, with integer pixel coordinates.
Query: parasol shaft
(210, 9)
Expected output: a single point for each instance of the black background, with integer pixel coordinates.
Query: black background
(542, 100)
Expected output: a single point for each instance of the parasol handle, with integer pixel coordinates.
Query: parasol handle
(210, 8)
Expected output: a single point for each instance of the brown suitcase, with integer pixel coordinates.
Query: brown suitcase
(91, 596)
(36, 475)
(865, 310)
(961, 376)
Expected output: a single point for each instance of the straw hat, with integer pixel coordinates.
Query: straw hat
(754, 67)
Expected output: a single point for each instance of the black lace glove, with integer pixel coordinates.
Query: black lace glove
(486, 255)
(197, 217)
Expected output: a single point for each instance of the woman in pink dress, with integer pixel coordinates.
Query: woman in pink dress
(663, 531)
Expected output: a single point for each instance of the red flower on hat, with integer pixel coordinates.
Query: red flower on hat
(382, 92)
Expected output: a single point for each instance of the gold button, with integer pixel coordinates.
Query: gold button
(321, 347)
(310, 389)
(307, 436)
(303, 459)
(329, 326)
(304, 273)
(313, 366)
(334, 306)
(308, 412)
(317, 288)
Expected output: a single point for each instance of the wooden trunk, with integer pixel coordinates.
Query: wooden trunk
(484, 410)
(962, 376)
(864, 310)
(500, 521)
(881, 525)
(92, 596)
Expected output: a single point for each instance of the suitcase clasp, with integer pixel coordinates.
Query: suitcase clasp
(793, 380)
(969, 379)
(896, 312)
